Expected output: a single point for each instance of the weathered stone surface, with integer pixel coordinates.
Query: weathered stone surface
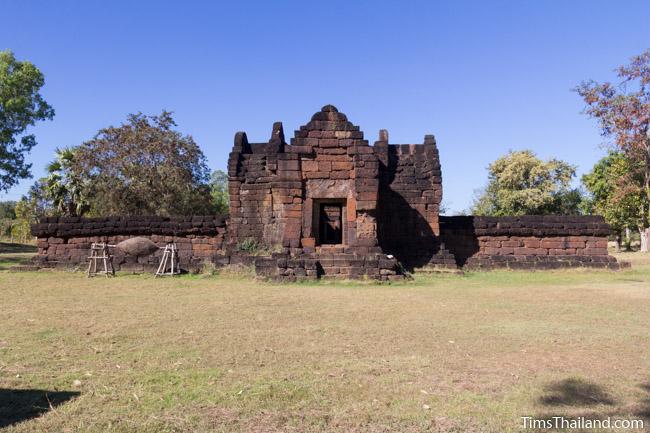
(68, 227)
(335, 207)
(65, 241)
(137, 246)
(528, 242)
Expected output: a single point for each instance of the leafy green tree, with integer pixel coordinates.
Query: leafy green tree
(6, 224)
(610, 195)
(7, 216)
(143, 167)
(623, 114)
(219, 191)
(7, 209)
(26, 215)
(21, 106)
(63, 187)
(522, 184)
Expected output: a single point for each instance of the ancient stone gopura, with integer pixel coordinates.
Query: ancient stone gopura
(330, 196)
(330, 204)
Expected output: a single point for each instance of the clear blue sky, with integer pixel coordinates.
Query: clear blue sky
(483, 76)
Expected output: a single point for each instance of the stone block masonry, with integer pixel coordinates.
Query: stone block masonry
(330, 187)
(65, 241)
(328, 265)
(410, 192)
(330, 205)
(277, 190)
(528, 242)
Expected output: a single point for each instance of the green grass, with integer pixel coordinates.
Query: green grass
(227, 353)
(15, 254)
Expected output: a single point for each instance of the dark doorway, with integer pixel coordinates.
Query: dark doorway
(330, 224)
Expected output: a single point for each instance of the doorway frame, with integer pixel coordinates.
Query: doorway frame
(317, 204)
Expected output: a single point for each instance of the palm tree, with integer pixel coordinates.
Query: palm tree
(63, 187)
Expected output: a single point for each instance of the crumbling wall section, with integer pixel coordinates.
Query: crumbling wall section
(255, 211)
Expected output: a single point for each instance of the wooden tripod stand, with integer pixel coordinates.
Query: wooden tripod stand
(170, 256)
(99, 252)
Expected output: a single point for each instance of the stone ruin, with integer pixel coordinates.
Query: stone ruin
(329, 204)
(330, 196)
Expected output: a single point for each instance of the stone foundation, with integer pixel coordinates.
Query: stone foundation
(329, 266)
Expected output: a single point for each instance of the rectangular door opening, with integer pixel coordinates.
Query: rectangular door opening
(330, 223)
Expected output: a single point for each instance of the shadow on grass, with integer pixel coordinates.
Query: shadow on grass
(582, 399)
(575, 392)
(15, 255)
(6, 247)
(643, 408)
(7, 261)
(17, 405)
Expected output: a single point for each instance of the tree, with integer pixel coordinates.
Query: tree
(522, 184)
(219, 191)
(26, 215)
(7, 216)
(7, 209)
(610, 195)
(63, 187)
(21, 106)
(623, 114)
(143, 167)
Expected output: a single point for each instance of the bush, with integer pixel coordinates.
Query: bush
(249, 246)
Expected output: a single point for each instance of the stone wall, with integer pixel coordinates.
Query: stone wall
(410, 192)
(65, 241)
(254, 214)
(390, 194)
(274, 187)
(380, 204)
(528, 242)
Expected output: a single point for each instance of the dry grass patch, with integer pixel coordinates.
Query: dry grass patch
(229, 354)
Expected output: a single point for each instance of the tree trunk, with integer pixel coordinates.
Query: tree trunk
(645, 231)
(617, 239)
(645, 240)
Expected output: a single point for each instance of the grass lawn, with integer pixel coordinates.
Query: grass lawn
(15, 254)
(229, 354)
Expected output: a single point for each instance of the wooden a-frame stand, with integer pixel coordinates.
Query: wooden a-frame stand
(169, 257)
(99, 253)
